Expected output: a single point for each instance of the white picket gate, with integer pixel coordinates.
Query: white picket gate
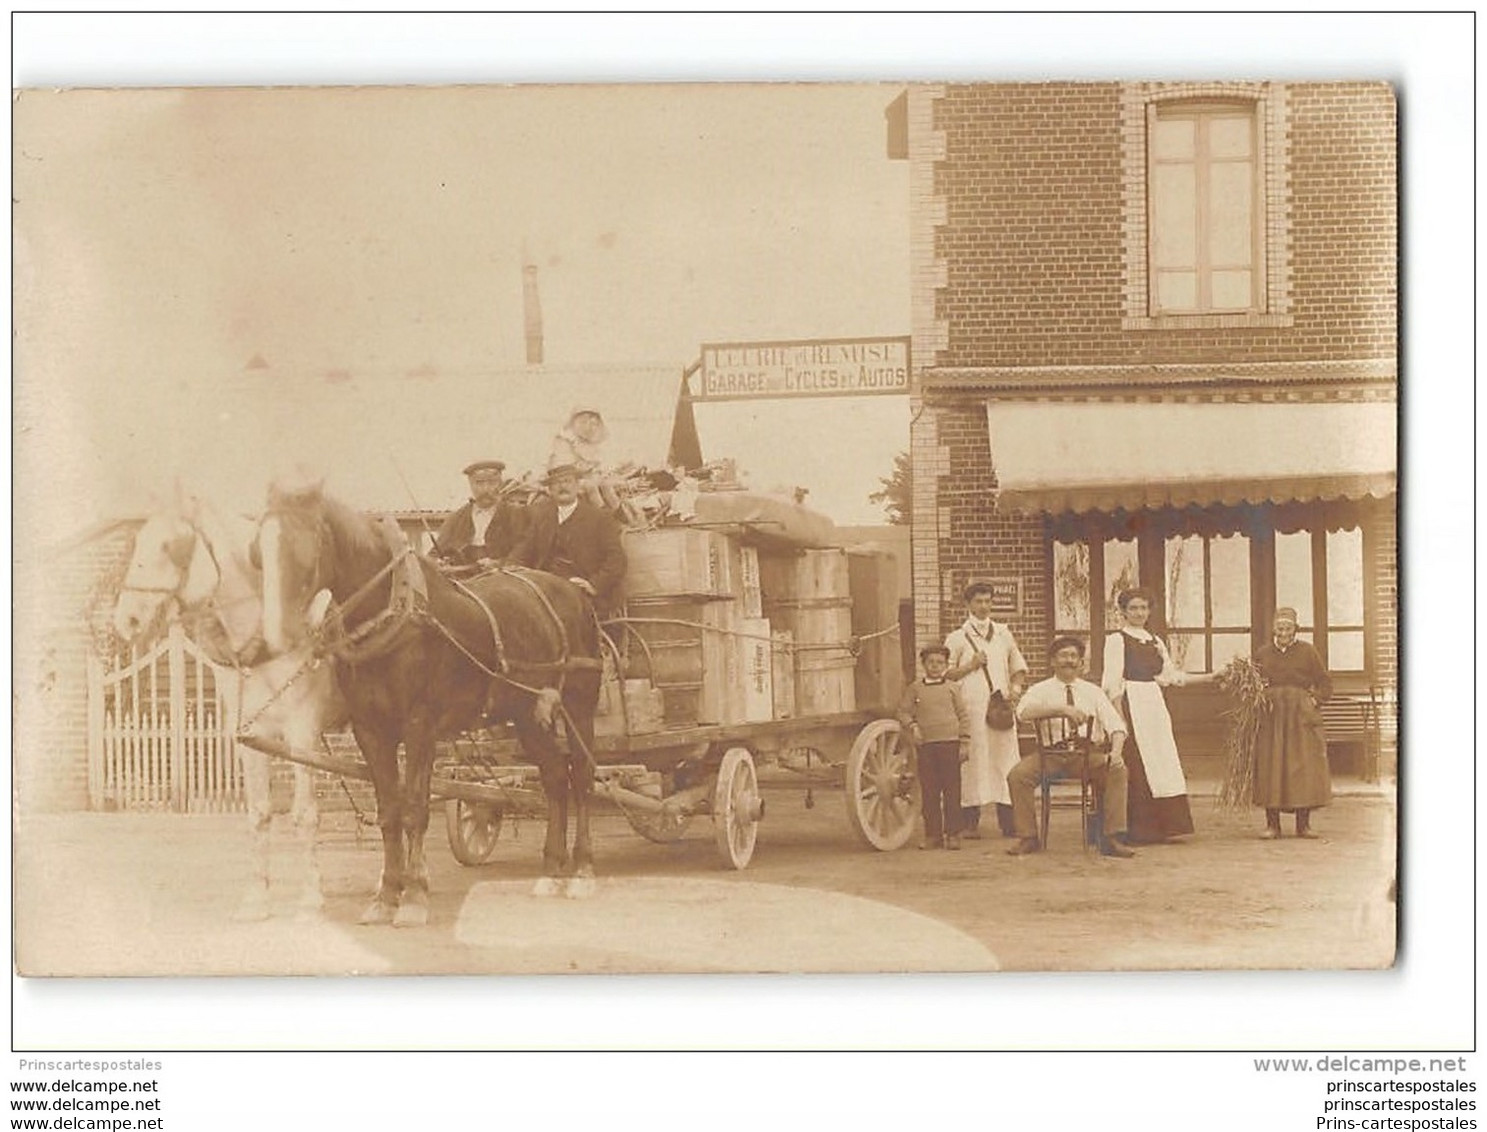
(160, 731)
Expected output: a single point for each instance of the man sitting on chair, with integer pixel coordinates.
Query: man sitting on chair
(1061, 705)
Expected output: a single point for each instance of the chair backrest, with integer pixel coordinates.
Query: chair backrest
(1059, 734)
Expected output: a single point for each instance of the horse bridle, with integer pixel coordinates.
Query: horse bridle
(210, 606)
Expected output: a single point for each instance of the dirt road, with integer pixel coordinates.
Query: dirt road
(153, 894)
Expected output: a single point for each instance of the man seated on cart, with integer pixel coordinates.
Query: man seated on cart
(486, 529)
(569, 536)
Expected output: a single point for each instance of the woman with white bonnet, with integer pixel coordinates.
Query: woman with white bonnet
(1291, 773)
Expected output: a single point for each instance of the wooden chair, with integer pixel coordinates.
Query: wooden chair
(1058, 736)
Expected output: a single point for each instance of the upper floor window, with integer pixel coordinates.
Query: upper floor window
(1206, 204)
(1205, 209)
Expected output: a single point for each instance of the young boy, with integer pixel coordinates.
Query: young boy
(934, 716)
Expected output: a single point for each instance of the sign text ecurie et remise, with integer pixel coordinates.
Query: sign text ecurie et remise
(821, 368)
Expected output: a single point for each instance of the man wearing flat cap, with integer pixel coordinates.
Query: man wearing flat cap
(486, 529)
(569, 536)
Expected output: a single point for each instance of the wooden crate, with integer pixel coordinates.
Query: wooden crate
(750, 595)
(782, 661)
(679, 562)
(688, 649)
(756, 670)
(642, 712)
(874, 588)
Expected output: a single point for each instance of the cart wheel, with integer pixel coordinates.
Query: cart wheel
(882, 789)
(473, 829)
(737, 808)
(662, 827)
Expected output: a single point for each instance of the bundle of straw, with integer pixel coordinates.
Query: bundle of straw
(1244, 683)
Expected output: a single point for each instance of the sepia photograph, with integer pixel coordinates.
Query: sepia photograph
(828, 527)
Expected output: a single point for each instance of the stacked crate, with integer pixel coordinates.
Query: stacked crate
(682, 601)
(809, 596)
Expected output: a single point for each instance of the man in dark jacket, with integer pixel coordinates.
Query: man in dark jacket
(570, 537)
(487, 528)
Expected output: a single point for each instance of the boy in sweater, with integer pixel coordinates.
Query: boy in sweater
(934, 716)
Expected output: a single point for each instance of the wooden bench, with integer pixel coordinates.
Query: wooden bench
(1352, 719)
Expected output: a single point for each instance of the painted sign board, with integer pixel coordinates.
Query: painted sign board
(825, 367)
(1006, 596)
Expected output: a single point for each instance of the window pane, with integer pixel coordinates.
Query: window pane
(1120, 574)
(1230, 212)
(1228, 565)
(1188, 651)
(1184, 562)
(1344, 578)
(1071, 586)
(1231, 290)
(1226, 646)
(1230, 137)
(1293, 573)
(1174, 216)
(1173, 137)
(1177, 290)
(1345, 651)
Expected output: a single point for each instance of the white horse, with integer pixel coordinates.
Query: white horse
(191, 561)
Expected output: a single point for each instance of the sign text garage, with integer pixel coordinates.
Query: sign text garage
(805, 369)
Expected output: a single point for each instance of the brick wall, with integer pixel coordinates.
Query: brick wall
(973, 540)
(55, 598)
(1033, 248)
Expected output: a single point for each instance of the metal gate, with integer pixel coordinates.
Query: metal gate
(160, 731)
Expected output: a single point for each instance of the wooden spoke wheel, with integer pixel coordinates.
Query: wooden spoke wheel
(882, 788)
(737, 808)
(473, 829)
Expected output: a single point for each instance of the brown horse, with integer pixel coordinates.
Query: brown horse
(421, 657)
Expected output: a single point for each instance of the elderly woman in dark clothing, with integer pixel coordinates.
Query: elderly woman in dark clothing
(1291, 772)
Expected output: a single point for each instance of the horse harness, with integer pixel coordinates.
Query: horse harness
(408, 603)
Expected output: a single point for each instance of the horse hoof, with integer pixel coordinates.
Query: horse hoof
(377, 913)
(253, 909)
(581, 887)
(411, 916)
(547, 886)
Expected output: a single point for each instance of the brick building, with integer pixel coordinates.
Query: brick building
(1154, 339)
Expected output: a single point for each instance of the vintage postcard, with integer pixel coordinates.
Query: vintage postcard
(697, 528)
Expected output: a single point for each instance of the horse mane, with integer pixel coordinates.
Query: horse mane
(354, 536)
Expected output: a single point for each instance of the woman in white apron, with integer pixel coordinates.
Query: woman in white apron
(1137, 667)
(984, 658)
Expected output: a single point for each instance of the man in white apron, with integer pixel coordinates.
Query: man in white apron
(986, 661)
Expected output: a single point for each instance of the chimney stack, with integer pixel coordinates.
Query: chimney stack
(531, 312)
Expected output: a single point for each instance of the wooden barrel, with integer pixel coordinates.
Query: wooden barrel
(809, 596)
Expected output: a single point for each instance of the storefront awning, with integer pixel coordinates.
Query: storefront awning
(1053, 457)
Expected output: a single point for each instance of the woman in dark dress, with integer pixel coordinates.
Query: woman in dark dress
(1291, 773)
(1137, 667)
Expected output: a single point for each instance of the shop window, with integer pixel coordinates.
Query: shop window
(1205, 208)
(1214, 575)
(1208, 600)
(1071, 589)
(1122, 572)
(1320, 575)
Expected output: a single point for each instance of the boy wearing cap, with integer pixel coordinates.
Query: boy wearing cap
(486, 529)
(933, 713)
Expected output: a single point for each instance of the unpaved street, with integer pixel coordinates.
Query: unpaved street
(153, 894)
